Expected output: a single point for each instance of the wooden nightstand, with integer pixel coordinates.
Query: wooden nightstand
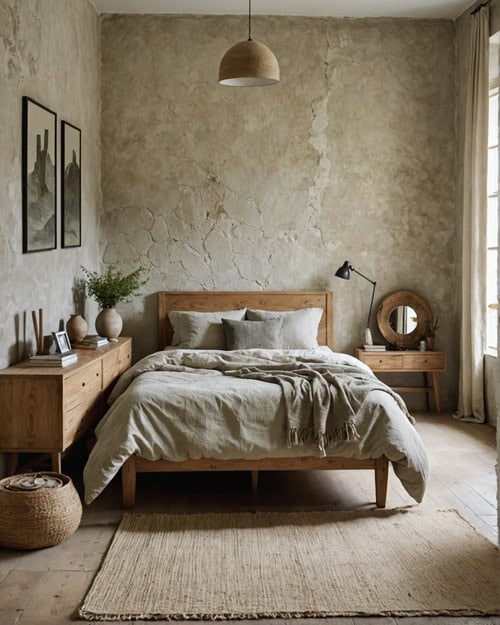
(46, 409)
(409, 361)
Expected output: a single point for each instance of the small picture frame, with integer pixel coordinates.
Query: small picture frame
(62, 341)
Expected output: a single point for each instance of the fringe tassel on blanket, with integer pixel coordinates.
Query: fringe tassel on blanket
(325, 440)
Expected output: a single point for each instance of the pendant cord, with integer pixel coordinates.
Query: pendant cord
(249, 20)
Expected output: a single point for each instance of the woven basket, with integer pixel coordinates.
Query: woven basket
(39, 518)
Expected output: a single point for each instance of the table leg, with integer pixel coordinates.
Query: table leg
(427, 384)
(12, 458)
(435, 384)
(56, 462)
(255, 481)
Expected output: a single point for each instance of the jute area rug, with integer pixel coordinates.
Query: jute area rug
(285, 565)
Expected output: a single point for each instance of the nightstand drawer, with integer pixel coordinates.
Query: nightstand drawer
(82, 385)
(379, 362)
(425, 361)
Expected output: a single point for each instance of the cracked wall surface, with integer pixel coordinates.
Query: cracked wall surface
(49, 51)
(351, 156)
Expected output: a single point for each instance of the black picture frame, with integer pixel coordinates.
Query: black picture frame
(71, 185)
(39, 176)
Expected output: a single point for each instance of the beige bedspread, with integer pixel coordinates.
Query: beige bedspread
(181, 404)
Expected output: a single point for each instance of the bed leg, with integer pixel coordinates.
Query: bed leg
(128, 483)
(381, 476)
(255, 481)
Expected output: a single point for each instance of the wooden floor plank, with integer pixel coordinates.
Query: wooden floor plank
(444, 620)
(9, 617)
(56, 598)
(374, 620)
(84, 550)
(17, 588)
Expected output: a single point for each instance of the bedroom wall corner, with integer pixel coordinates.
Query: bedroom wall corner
(351, 156)
(50, 52)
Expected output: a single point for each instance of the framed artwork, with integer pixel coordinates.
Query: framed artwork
(39, 179)
(71, 185)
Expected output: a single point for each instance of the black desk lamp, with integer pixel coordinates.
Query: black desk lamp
(344, 272)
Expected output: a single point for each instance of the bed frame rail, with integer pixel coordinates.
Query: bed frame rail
(136, 465)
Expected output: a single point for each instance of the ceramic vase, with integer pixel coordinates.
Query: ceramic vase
(108, 323)
(76, 328)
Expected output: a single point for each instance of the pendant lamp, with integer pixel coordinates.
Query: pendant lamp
(249, 63)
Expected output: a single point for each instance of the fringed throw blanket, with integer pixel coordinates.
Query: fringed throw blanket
(321, 400)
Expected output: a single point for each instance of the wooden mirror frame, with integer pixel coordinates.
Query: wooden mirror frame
(403, 298)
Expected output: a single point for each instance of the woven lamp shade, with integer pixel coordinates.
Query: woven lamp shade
(249, 64)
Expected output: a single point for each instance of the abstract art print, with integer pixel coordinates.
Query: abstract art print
(39, 177)
(71, 186)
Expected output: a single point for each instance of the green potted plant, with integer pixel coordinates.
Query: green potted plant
(109, 289)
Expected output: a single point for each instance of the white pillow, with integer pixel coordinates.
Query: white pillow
(200, 330)
(299, 329)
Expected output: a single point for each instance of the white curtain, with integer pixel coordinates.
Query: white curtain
(473, 329)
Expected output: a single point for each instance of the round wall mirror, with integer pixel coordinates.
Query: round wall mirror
(402, 318)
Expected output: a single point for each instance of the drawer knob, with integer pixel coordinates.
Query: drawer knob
(97, 374)
(83, 383)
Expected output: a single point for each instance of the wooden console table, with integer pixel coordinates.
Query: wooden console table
(409, 361)
(47, 409)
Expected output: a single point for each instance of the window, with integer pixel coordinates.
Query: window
(492, 212)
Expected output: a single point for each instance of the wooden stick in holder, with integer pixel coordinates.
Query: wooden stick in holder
(40, 330)
(35, 328)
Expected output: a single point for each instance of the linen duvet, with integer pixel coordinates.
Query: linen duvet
(190, 404)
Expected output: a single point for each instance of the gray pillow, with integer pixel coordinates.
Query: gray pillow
(252, 334)
(300, 327)
(201, 330)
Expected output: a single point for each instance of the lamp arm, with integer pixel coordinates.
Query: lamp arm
(371, 305)
(373, 292)
(361, 274)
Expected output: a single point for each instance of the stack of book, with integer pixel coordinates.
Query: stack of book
(374, 348)
(91, 341)
(54, 360)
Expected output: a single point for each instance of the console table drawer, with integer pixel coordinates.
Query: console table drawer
(382, 361)
(82, 385)
(77, 420)
(426, 361)
(124, 357)
(110, 367)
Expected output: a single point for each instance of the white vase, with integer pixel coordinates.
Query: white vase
(368, 337)
(108, 323)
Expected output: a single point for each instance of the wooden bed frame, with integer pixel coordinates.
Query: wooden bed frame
(207, 301)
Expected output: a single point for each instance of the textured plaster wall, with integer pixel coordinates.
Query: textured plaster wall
(351, 156)
(49, 50)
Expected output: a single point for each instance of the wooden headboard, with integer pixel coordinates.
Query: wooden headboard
(212, 301)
